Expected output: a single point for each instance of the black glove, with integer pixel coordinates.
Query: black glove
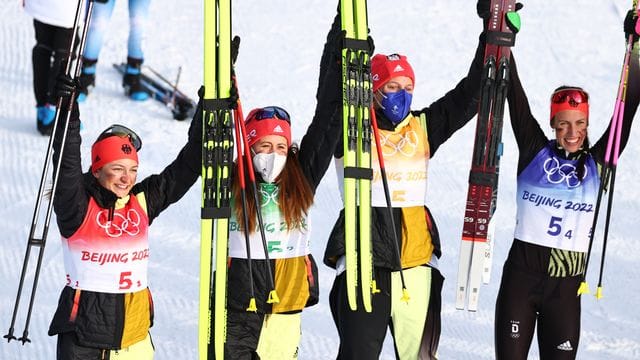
(483, 8)
(101, 1)
(235, 46)
(66, 86)
(630, 22)
(233, 94)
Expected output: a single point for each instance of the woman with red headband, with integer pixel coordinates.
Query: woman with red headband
(263, 313)
(105, 310)
(558, 182)
(409, 139)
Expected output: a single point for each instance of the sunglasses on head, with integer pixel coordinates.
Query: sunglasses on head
(269, 112)
(572, 96)
(122, 131)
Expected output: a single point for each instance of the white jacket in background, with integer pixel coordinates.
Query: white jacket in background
(59, 13)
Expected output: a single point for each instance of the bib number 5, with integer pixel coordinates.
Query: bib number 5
(125, 280)
(555, 227)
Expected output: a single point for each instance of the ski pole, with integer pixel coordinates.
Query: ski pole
(243, 194)
(607, 176)
(273, 295)
(387, 197)
(41, 241)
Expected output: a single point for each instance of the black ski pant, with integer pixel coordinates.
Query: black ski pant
(49, 59)
(362, 334)
(243, 334)
(526, 298)
(68, 348)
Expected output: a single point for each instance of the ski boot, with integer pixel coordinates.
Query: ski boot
(131, 83)
(44, 119)
(87, 79)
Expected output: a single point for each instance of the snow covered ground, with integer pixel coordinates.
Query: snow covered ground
(569, 42)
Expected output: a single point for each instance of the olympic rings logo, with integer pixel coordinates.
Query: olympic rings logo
(120, 225)
(407, 145)
(267, 197)
(558, 173)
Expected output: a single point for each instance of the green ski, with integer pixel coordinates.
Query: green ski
(357, 97)
(217, 157)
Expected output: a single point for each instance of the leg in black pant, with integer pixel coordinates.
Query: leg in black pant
(516, 312)
(361, 333)
(559, 320)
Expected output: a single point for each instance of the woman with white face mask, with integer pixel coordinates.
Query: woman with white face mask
(286, 176)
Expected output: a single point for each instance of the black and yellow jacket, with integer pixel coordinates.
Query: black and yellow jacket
(442, 118)
(108, 320)
(296, 279)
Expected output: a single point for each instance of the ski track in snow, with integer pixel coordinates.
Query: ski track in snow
(576, 42)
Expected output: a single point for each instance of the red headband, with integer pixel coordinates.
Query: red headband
(111, 149)
(257, 129)
(556, 108)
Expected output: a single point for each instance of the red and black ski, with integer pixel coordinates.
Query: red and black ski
(475, 248)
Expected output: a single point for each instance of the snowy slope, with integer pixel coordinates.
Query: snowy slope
(568, 42)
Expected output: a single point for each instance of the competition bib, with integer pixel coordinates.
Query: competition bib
(281, 242)
(555, 207)
(406, 159)
(109, 256)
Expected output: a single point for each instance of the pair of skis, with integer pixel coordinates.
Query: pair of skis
(222, 114)
(217, 160)
(356, 104)
(477, 232)
(608, 170)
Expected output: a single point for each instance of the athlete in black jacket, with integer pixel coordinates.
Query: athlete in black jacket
(409, 140)
(103, 215)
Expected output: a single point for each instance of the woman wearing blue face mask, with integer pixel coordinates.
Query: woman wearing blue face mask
(408, 140)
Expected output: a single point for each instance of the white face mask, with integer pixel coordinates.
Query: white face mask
(269, 165)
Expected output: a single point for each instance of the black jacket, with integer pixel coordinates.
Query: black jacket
(444, 117)
(101, 316)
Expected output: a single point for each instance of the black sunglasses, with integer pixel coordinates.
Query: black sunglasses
(122, 131)
(269, 112)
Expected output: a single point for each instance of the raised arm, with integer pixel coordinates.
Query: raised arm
(630, 108)
(325, 131)
(176, 179)
(70, 200)
(526, 129)
(452, 111)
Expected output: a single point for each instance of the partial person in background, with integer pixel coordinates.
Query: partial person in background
(53, 25)
(558, 181)
(102, 10)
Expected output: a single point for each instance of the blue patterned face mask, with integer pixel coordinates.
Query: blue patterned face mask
(396, 105)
